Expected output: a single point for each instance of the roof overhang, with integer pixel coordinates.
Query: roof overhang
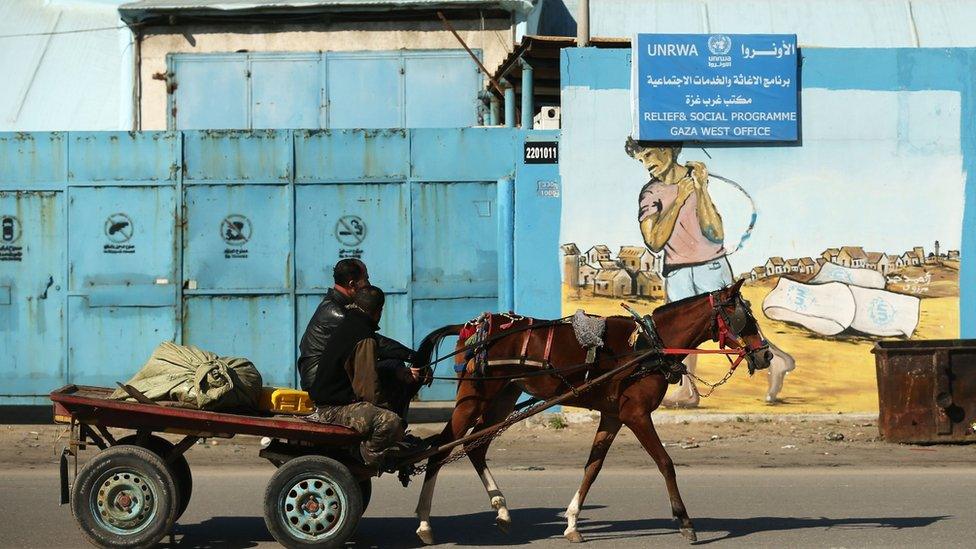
(542, 54)
(147, 12)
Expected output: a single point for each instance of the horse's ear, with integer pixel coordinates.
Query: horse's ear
(734, 289)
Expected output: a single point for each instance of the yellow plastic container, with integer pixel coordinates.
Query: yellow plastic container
(282, 400)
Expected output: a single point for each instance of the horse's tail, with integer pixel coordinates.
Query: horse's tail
(430, 343)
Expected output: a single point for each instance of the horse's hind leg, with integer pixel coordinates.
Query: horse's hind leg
(636, 415)
(609, 425)
(466, 412)
(503, 405)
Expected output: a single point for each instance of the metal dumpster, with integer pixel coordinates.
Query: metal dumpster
(927, 390)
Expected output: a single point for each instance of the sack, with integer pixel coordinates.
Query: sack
(882, 313)
(865, 278)
(196, 377)
(827, 309)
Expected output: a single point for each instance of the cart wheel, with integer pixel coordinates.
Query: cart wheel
(124, 496)
(180, 468)
(312, 501)
(366, 489)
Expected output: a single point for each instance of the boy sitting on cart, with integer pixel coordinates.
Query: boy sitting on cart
(350, 390)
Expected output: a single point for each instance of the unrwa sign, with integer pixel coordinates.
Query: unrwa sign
(715, 87)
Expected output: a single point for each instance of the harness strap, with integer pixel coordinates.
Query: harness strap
(545, 356)
(525, 342)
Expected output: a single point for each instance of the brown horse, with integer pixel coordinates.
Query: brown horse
(625, 399)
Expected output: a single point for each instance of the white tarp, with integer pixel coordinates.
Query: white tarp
(827, 309)
(865, 278)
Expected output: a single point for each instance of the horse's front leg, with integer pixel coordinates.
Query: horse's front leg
(609, 426)
(501, 406)
(466, 413)
(637, 403)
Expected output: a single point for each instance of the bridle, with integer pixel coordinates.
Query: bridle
(725, 329)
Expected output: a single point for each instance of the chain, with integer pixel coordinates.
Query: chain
(711, 386)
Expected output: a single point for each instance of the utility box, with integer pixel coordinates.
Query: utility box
(927, 390)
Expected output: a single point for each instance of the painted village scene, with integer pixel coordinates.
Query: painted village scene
(835, 304)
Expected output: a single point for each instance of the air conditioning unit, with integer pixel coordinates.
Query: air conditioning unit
(547, 119)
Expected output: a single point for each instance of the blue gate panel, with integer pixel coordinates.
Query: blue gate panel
(211, 92)
(27, 158)
(465, 154)
(351, 155)
(352, 78)
(395, 322)
(261, 156)
(121, 236)
(124, 157)
(31, 294)
(441, 90)
(110, 343)
(430, 314)
(237, 237)
(286, 91)
(258, 328)
(455, 240)
(368, 221)
(122, 270)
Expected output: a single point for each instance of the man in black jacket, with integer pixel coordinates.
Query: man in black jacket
(350, 275)
(347, 389)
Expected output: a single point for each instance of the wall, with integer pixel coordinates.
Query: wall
(885, 164)
(494, 42)
(117, 241)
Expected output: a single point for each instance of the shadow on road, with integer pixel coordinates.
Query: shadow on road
(529, 525)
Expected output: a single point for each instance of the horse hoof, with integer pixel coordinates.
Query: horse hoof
(689, 533)
(426, 535)
(574, 537)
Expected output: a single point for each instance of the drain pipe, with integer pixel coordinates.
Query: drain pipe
(527, 106)
(509, 106)
(583, 24)
(505, 199)
(494, 111)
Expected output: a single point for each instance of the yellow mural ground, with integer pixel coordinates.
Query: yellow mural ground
(832, 375)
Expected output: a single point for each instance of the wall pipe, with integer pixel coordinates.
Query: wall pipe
(505, 199)
(583, 24)
(509, 106)
(527, 104)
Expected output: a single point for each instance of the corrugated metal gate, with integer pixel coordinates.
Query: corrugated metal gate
(112, 242)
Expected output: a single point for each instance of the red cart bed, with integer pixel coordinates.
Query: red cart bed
(92, 406)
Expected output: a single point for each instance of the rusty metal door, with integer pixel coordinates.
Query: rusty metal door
(31, 295)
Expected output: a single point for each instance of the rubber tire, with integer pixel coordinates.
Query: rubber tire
(180, 468)
(149, 465)
(366, 490)
(286, 476)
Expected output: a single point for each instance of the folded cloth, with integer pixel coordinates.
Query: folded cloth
(882, 313)
(865, 278)
(827, 309)
(588, 329)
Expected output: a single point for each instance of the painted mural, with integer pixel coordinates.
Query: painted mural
(850, 237)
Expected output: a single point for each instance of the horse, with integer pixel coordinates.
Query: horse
(517, 359)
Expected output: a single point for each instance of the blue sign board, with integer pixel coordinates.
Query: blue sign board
(715, 87)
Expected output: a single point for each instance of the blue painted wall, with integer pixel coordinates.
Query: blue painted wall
(226, 240)
(943, 78)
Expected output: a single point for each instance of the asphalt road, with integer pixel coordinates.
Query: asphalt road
(795, 507)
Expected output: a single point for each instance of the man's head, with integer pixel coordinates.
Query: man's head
(658, 157)
(370, 300)
(350, 275)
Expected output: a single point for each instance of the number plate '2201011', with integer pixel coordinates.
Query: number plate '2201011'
(541, 152)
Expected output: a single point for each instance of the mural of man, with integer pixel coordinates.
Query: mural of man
(677, 216)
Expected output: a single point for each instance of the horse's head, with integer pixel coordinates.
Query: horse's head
(735, 327)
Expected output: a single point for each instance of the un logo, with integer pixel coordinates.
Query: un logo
(719, 44)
